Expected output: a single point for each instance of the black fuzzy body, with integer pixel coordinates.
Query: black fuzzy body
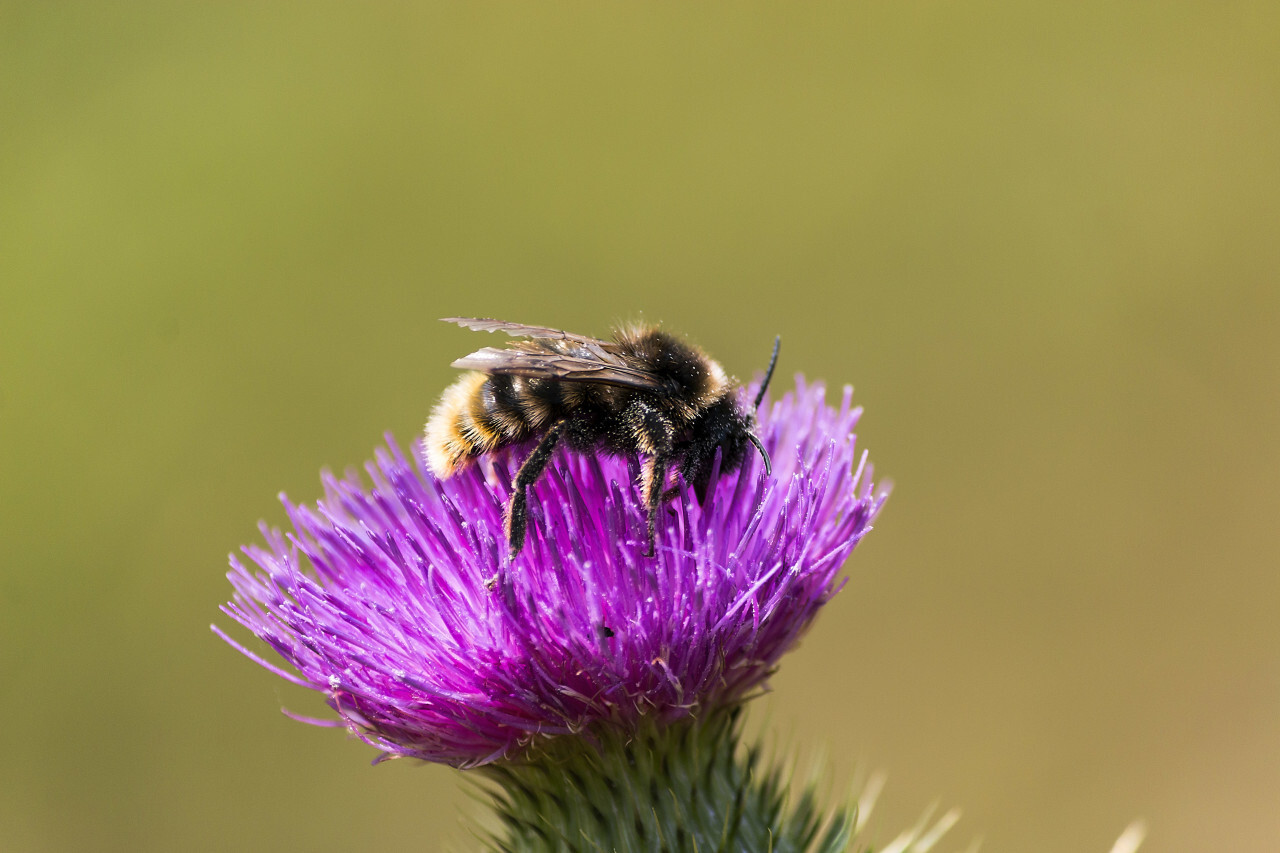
(660, 397)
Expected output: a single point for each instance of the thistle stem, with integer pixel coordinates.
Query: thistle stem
(685, 786)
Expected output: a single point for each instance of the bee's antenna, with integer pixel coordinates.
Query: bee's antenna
(764, 454)
(764, 386)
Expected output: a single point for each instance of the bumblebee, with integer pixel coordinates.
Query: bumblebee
(645, 391)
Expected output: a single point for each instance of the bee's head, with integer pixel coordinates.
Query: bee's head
(725, 428)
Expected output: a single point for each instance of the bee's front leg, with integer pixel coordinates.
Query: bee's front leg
(653, 436)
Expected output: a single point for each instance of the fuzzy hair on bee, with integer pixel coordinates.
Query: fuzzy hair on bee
(645, 391)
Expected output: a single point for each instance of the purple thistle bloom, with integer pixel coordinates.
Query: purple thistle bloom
(427, 645)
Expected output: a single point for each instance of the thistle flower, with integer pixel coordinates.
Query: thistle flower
(428, 645)
(599, 689)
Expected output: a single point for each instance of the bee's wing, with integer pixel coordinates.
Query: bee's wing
(520, 330)
(587, 363)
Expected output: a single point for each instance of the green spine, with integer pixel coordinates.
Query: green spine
(675, 788)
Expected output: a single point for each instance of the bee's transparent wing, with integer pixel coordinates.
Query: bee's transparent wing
(584, 363)
(554, 354)
(520, 330)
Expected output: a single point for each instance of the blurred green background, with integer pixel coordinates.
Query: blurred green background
(1043, 241)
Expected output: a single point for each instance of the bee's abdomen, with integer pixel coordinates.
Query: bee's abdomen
(481, 413)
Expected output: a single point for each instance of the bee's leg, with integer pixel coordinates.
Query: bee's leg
(655, 477)
(690, 470)
(653, 434)
(530, 471)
